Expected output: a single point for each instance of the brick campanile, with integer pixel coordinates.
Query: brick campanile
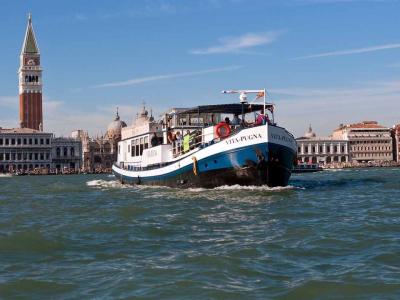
(30, 82)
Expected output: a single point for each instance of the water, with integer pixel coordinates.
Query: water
(329, 235)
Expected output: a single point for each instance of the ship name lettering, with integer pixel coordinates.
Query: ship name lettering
(244, 138)
(280, 137)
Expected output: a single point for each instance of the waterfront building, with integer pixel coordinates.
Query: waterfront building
(322, 150)
(28, 149)
(66, 154)
(368, 141)
(99, 153)
(30, 82)
(24, 149)
(396, 142)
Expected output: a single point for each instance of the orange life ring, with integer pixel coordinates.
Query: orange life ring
(222, 130)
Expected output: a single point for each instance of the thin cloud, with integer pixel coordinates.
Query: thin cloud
(371, 101)
(80, 17)
(351, 51)
(9, 101)
(240, 43)
(135, 81)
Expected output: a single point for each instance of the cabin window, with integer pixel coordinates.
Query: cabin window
(146, 142)
(141, 146)
(119, 149)
(137, 147)
(129, 148)
(133, 148)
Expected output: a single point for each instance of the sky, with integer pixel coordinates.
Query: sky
(323, 62)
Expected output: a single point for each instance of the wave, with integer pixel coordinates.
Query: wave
(100, 183)
(5, 175)
(257, 188)
(238, 187)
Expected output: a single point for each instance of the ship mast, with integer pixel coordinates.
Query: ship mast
(243, 97)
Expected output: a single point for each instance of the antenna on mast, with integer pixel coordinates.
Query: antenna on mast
(243, 96)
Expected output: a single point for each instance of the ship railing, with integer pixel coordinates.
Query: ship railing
(200, 140)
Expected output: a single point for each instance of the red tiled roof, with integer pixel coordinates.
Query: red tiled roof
(364, 124)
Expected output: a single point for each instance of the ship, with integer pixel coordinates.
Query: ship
(208, 146)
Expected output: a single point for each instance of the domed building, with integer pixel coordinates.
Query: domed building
(310, 133)
(101, 152)
(114, 128)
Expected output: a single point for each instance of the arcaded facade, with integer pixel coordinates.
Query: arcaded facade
(368, 141)
(24, 149)
(321, 150)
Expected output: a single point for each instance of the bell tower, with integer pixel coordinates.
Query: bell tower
(30, 82)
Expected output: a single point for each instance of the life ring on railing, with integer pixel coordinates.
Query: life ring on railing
(195, 172)
(222, 130)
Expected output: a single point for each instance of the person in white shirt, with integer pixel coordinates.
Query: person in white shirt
(236, 120)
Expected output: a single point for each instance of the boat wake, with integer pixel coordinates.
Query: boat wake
(105, 184)
(5, 175)
(258, 188)
(238, 187)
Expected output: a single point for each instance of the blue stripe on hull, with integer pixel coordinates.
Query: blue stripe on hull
(233, 159)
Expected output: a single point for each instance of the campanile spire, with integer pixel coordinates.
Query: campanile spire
(30, 81)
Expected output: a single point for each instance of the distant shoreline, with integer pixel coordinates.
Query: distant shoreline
(358, 166)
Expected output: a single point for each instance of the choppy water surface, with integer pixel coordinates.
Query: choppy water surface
(329, 235)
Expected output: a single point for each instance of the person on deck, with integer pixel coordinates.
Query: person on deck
(178, 142)
(236, 120)
(227, 121)
(186, 141)
(171, 137)
(262, 119)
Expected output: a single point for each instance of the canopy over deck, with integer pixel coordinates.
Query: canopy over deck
(235, 108)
